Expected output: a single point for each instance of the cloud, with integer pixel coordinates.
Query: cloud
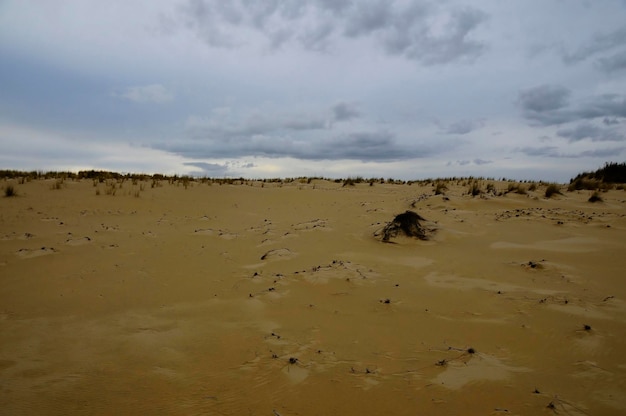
(209, 169)
(153, 93)
(610, 121)
(424, 32)
(464, 126)
(589, 131)
(466, 162)
(553, 152)
(345, 111)
(376, 145)
(225, 123)
(612, 63)
(368, 17)
(599, 43)
(544, 98)
(454, 44)
(549, 151)
(550, 105)
(482, 162)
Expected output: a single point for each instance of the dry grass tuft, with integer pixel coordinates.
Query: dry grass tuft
(552, 189)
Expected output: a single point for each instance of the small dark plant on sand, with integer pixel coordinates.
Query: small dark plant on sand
(58, 184)
(474, 189)
(440, 188)
(595, 197)
(407, 223)
(552, 190)
(10, 191)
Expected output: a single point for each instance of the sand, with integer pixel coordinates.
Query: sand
(276, 299)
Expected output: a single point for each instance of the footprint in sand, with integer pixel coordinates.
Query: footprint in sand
(310, 225)
(27, 253)
(78, 241)
(220, 233)
(279, 253)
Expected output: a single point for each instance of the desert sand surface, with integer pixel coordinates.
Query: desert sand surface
(277, 299)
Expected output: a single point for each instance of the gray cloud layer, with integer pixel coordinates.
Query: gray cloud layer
(380, 145)
(550, 104)
(598, 44)
(397, 27)
(404, 85)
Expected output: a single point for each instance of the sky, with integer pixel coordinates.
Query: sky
(520, 89)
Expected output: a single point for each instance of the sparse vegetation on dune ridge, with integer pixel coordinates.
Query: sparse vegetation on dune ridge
(612, 175)
(604, 178)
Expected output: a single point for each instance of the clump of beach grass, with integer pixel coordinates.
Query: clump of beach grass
(474, 189)
(440, 188)
(552, 189)
(10, 191)
(595, 197)
(58, 184)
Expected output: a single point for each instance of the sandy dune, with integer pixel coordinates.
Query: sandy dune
(276, 299)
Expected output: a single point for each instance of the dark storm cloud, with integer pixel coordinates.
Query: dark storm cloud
(599, 43)
(550, 105)
(592, 132)
(399, 28)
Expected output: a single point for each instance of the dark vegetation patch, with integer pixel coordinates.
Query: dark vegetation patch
(10, 191)
(604, 178)
(552, 189)
(409, 223)
(595, 197)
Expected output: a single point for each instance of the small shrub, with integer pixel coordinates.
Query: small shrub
(512, 187)
(58, 184)
(348, 182)
(440, 188)
(583, 183)
(552, 190)
(532, 187)
(474, 189)
(521, 190)
(491, 188)
(111, 189)
(595, 197)
(10, 191)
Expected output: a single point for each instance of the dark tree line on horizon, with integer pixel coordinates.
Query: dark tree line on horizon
(610, 173)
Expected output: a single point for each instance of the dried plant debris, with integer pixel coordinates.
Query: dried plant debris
(410, 224)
